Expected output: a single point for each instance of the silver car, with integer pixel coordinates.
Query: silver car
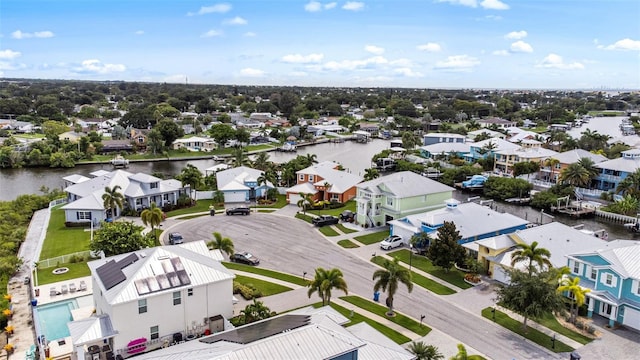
(391, 242)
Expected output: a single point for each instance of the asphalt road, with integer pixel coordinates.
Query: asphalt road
(290, 245)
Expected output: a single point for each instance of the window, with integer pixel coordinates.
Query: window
(165, 197)
(84, 215)
(390, 201)
(177, 298)
(594, 274)
(154, 332)
(142, 306)
(576, 267)
(311, 178)
(190, 292)
(301, 177)
(153, 185)
(608, 279)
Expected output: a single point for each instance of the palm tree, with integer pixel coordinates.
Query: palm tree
(551, 163)
(630, 185)
(389, 278)
(261, 162)
(326, 186)
(370, 174)
(423, 351)
(223, 244)
(307, 199)
(267, 177)
(462, 353)
(311, 159)
(531, 254)
(152, 216)
(573, 286)
(239, 157)
(326, 280)
(575, 175)
(256, 311)
(112, 198)
(589, 165)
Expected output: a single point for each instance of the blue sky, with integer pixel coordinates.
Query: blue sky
(511, 44)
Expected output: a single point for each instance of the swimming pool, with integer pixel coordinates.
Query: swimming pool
(53, 318)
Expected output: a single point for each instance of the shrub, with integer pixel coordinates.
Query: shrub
(77, 224)
(247, 291)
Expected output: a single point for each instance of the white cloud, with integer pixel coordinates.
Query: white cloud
(211, 33)
(469, 3)
(553, 61)
(516, 35)
(303, 59)
(236, 21)
(313, 6)
(217, 8)
(374, 49)
(330, 5)
(97, 67)
(139, 32)
(501, 53)
(458, 63)
(353, 6)
(251, 72)
(9, 54)
(521, 46)
(430, 47)
(177, 78)
(624, 44)
(403, 62)
(249, 34)
(408, 72)
(494, 5)
(38, 34)
(298, 74)
(354, 64)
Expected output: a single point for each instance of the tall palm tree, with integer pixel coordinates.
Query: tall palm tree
(311, 159)
(306, 199)
(326, 186)
(326, 280)
(152, 216)
(267, 177)
(112, 199)
(531, 254)
(575, 175)
(239, 157)
(261, 162)
(589, 165)
(423, 351)
(551, 163)
(573, 286)
(223, 244)
(389, 278)
(462, 353)
(370, 174)
(630, 185)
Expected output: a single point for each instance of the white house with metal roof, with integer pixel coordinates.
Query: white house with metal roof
(85, 203)
(240, 184)
(155, 296)
(195, 143)
(613, 171)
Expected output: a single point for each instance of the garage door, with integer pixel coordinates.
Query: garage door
(235, 196)
(499, 274)
(294, 198)
(405, 233)
(631, 318)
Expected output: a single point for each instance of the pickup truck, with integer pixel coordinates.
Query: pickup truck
(323, 220)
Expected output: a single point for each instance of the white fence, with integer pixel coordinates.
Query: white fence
(56, 261)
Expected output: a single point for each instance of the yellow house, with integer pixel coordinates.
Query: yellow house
(529, 150)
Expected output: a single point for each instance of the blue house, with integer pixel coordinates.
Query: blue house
(612, 172)
(488, 148)
(240, 184)
(436, 138)
(612, 273)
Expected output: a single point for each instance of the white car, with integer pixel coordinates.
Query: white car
(391, 242)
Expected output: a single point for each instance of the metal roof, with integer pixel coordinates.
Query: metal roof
(91, 329)
(404, 184)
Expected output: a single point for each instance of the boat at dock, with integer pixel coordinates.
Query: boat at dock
(119, 162)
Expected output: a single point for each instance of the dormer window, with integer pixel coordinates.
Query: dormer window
(153, 185)
(311, 178)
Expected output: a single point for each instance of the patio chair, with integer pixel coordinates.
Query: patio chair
(64, 289)
(72, 287)
(82, 286)
(53, 291)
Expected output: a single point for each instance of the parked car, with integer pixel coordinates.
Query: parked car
(175, 238)
(347, 216)
(239, 211)
(323, 220)
(245, 258)
(392, 242)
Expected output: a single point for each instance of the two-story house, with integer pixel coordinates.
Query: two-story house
(155, 295)
(436, 138)
(324, 182)
(612, 273)
(487, 148)
(553, 167)
(85, 203)
(498, 122)
(529, 151)
(240, 184)
(612, 172)
(398, 195)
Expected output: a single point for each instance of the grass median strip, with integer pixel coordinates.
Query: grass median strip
(454, 276)
(549, 321)
(345, 229)
(265, 288)
(402, 320)
(397, 337)
(348, 244)
(266, 272)
(420, 280)
(328, 231)
(372, 238)
(531, 334)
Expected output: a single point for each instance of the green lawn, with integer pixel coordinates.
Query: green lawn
(200, 206)
(328, 231)
(61, 240)
(532, 334)
(453, 277)
(265, 211)
(76, 270)
(373, 237)
(266, 272)
(421, 280)
(189, 217)
(345, 229)
(280, 203)
(304, 217)
(400, 319)
(397, 337)
(266, 288)
(550, 321)
(349, 205)
(348, 244)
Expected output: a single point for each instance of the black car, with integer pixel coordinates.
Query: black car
(245, 258)
(347, 216)
(323, 220)
(239, 211)
(175, 238)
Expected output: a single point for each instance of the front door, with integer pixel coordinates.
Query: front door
(606, 309)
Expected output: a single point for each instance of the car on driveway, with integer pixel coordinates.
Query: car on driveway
(245, 258)
(238, 211)
(347, 216)
(392, 242)
(175, 238)
(323, 220)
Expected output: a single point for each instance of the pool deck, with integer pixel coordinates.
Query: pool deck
(46, 296)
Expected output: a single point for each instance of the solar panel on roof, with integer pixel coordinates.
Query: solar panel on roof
(110, 274)
(127, 260)
(260, 330)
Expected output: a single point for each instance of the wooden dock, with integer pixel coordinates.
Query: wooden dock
(574, 210)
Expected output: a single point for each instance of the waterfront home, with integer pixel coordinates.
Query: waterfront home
(445, 150)
(517, 135)
(488, 148)
(85, 203)
(323, 181)
(398, 195)
(435, 138)
(495, 252)
(139, 137)
(612, 272)
(505, 159)
(195, 143)
(551, 169)
(473, 221)
(72, 136)
(471, 135)
(154, 296)
(495, 121)
(240, 184)
(613, 171)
